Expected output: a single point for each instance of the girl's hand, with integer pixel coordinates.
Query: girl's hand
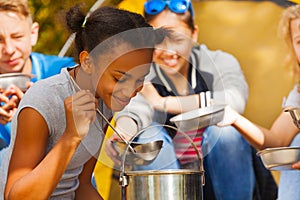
(80, 111)
(152, 96)
(230, 116)
(131, 129)
(111, 151)
(296, 165)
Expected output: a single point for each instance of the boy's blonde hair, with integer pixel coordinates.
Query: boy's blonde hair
(17, 6)
(289, 14)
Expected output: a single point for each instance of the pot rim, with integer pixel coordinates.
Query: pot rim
(163, 172)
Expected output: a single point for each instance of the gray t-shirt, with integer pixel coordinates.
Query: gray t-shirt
(293, 100)
(47, 97)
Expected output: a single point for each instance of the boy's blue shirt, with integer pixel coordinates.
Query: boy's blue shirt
(43, 66)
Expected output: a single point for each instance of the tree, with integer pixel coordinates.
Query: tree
(50, 15)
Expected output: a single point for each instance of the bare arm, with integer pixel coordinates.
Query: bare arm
(86, 190)
(280, 134)
(170, 104)
(33, 174)
(229, 84)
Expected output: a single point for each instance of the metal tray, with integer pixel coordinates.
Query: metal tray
(199, 118)
(280, 158)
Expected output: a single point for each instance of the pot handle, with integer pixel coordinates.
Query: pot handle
(123, 179)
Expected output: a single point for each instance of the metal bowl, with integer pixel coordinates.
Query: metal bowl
(18, 79)
(280, 158)
(144, 153)
(199, 118)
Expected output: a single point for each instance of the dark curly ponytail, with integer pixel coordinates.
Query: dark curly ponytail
(106, 22)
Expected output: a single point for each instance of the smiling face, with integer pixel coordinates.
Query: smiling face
(17, 36)
(124, 78)
(173, 54)
(115, 79)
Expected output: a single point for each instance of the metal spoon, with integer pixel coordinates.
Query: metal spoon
(112, 127)
(139, 150)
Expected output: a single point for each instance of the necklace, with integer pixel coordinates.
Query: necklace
(74, 73)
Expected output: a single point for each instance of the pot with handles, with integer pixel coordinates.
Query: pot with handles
(175, 184)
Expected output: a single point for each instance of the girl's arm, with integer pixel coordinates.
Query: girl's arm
(280, 134)
(229, 84)
(86, 190)
(32, 173)
(170, 104)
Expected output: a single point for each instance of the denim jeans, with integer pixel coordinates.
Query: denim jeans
(228, 165)
(289, 185)
(229, 172)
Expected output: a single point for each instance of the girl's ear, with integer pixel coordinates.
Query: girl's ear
(195, 34)
(86, 62)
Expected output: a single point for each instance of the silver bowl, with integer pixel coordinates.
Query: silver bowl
(199, 118)
(18, 79)
(144, 153)
(280, 158)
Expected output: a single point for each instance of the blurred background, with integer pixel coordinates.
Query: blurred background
(246, 29)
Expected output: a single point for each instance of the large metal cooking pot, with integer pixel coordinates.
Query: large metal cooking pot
(164, 185)
(181, 184)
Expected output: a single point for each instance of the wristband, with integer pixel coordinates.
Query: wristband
(202, 100)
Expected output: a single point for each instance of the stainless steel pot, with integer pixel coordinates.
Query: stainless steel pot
(164, 185)
(178, 184)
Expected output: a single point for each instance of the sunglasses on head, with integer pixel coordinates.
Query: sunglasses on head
(153, 7)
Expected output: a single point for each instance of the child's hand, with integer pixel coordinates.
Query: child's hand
(152, 96)
(230, 116)
(80, 111)
(127, 128)
(296, 165)
(111, 151)
(9, 100)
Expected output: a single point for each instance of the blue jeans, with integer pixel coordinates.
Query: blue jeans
(228, 165)
(229, 172)
(290, 180)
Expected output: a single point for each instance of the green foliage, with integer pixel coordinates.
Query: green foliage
(50, 15)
